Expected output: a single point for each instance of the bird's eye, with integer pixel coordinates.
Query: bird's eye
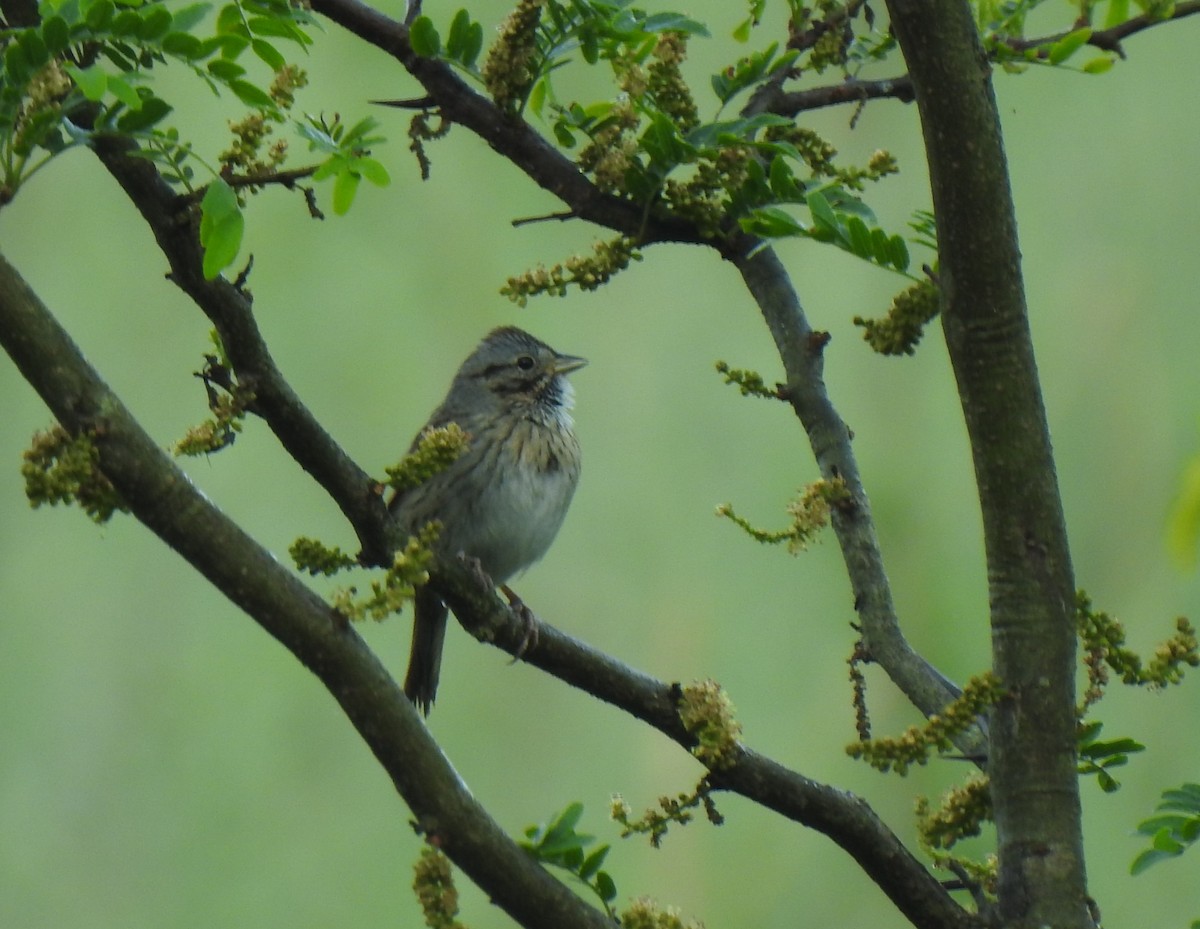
(525, 362)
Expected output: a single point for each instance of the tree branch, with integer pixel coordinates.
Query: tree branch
(174, 226)
(801, 349)
(163, 499)
(1035, 789)
(774, 99)
(1110, 39)
(510, 136)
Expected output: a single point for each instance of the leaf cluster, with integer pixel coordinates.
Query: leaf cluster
(86, 68)
(1098, 757)
(1174, 828)
(557, 844)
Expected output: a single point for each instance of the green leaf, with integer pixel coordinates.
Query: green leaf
(423, 36)
(221, 227)
(251, 95)
(183, 45)
(822, 212)
(783, 181)
(189, 17)
(92, 81)
(229, 20)
(591, 864)
(33, 47)
(563, 135)
(537, 98)
(268, 54)
(473, 45)
(99, 14)
(1099, 65)
(457, 39)
(1165, 842)
(276, 28)
(152, 110)
(1068, 45)
(156, 23)
(860, 238)
(56, 34)
(225, 70)
(742, 32)
(674, 22)
(345, 186)
(605, 887)
(898, 253)
(373, 171)
(1118, 12)
(126, 23)
(1147, 858)
(124, 91)
(771, 223)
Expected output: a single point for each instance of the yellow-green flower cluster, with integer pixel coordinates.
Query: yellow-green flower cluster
(1103, 639)
(436, 450)
(901, 330)
(433, 882)
(409, 570)
(511, 66)
(665, 83)
(815, 151)
(317, 558)
(646, 913)
(43, 99)
(810, 513)
(703, 197)
(61, 468)
(750, 383)
(707, 713)
(963, 811)
(287, 81)
(587, 272)
(678, 809)
(245, 153)
(916, 744)
(212, 435)
(612, 150)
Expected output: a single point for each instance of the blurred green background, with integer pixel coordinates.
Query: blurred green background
(164, 763)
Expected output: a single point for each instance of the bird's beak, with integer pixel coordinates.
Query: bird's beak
(565, 364)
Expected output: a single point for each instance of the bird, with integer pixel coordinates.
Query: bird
(504, 498)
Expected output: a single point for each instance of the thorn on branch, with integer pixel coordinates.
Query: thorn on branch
(549, 217)
(412, 103)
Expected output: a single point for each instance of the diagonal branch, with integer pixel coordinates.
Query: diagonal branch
(801, 349)
(174, 225)
(1110, 39)
(163, 499)
(511, 137)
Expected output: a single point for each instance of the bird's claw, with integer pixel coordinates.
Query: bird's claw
(530, 636)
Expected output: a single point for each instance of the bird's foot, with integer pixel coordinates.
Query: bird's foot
(530, 637)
